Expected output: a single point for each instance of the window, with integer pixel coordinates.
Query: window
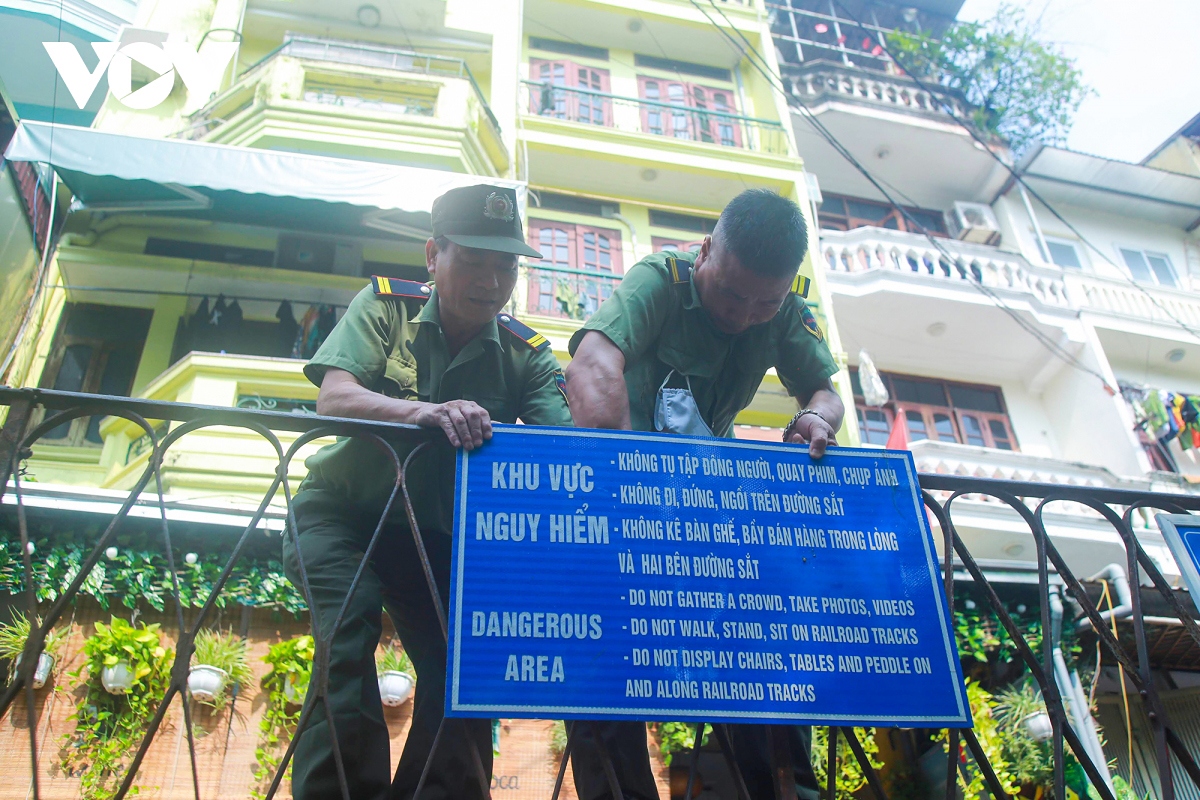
(689, 122)
(1064, 253)
(97, 350)
(938, 410)
(660, 243)
(840, 213)
(581, 96)
(1147, 267)
(683, 222)
(567, 246)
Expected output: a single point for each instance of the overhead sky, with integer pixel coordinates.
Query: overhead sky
(1139, 57)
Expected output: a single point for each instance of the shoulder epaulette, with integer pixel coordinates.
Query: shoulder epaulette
(396, 287)
(800, 285)
(681, 271)
(523, 332)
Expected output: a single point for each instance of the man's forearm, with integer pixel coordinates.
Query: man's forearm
(352, 400)
(596, 385)
(828, 403)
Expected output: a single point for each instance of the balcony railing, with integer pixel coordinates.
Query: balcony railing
(1115, 506)
(1123, 298)
(823, 81)
(396, 96)
(677, 122)
(864, 249)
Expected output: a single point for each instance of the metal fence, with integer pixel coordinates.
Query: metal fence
(1028, 500)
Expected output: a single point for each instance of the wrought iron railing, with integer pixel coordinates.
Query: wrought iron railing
(941, 493)
(690, 118)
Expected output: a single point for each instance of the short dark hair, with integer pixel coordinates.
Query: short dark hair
(765, 231)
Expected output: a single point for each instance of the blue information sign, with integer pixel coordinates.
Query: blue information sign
(1182, 533)
(606, 575)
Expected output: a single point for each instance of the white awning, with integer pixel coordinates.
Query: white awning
(117, 172)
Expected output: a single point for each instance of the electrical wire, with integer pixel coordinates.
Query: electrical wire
(759, 63)
(1021, 180)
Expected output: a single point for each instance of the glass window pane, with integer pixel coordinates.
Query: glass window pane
(944, 427)
(1064, 254)
(972, 399)
(973, 430)
(1000, 434)
(73, 369)
(1137, 265)
(916, 426)
(924, 392)
(1161, 265)
(873, 425)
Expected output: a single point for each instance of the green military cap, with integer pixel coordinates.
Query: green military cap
(484, 217)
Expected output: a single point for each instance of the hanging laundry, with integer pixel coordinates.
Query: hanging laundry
(304, 333)
(286, 331)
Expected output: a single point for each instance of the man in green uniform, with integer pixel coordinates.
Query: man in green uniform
(438, 355)
(682, 346)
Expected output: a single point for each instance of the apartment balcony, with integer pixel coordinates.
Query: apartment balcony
(910, 136)
(1136, 308)
(225, 466)
(865, 256)
(360, 101)
(618, 146)
(992, 530)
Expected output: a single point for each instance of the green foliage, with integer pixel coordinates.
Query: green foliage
(225, 651)
(677, 737)
(850, 776)
(987, 730)
(1032, 762)
(290, 663)
(1121, 789)
(108, 727)
(141, 576)
(13, 637)
(982, 637)
(1019, 87)
(392, 659)
(558, 738)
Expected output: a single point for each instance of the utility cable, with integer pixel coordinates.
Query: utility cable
(1021, 180)
(757, 62)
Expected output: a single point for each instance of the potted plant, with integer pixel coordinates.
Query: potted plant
(128, 670)
(12, 646)
(396, 676)
(286, 682)
(217, 659)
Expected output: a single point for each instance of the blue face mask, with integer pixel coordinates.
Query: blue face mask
(675, 410)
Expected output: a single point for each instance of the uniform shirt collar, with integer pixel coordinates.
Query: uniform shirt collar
(430, 313)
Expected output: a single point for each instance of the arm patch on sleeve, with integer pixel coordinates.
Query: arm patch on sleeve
(809, 320)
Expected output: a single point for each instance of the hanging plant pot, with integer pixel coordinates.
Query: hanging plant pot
(395, 688)
(45, 666)
(117, 679)
(1038, 726)
(207, 682)
(294, 694)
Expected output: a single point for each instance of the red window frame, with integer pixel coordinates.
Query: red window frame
(575, 106)
(572, 246)
(660, 243)
(689, 122)
(939, 421)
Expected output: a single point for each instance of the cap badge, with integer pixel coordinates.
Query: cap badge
(498, 206)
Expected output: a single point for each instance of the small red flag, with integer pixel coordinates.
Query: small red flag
(898, 438)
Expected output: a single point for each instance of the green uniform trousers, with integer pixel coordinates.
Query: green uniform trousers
(625, 743)
(333, 537)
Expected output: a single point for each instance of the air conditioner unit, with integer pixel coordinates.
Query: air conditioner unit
(974, 222)
(316, 254)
